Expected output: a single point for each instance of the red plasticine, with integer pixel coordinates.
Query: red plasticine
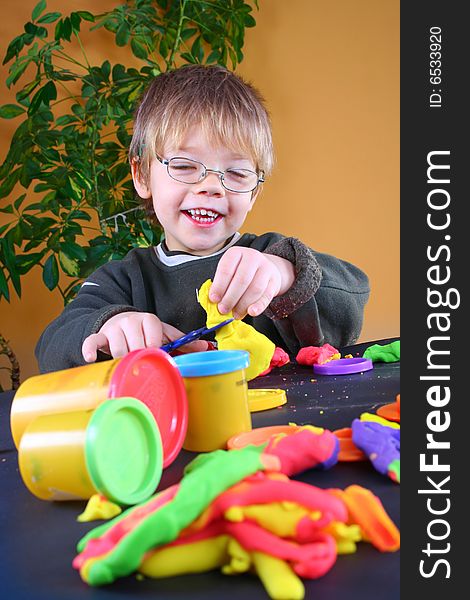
(316, 355)
(264, 488)
(302, 449)
(279, 359)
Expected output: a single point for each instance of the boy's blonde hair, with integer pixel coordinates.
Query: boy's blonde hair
(229, 110)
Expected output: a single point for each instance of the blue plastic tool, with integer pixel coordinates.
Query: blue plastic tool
(192, 336)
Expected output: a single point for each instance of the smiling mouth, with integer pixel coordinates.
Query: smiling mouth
(203, 215)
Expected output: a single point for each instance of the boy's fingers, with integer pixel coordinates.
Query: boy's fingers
(257, 288)
(132, 336)
(262, 303)
(223, 276)
(94, 342)
(243, 280)
(117, 343)
(153, 331)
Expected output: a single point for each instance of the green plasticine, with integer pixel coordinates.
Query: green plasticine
(386, 353)
(103, 528)
(197, 490)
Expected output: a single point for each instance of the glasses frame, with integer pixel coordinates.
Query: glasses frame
(221, 174)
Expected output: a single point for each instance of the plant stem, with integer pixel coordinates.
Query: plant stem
(15, 367)
(83, 51)
(169, 64)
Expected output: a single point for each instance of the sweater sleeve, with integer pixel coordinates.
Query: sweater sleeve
(106, 293)
(308, 276)
(326, 302)
(333, 313)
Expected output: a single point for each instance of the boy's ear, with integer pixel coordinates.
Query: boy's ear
(142, 189)
(254, 195)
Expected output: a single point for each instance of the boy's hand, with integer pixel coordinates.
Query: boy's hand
(129, 331)
(246, 281)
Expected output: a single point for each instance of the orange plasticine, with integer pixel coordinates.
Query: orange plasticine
(367, 511)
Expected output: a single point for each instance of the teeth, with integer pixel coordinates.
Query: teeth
(199, 213)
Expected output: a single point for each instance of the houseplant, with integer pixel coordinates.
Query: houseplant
(65, 186)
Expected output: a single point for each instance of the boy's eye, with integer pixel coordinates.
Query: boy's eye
(183, 167)
(238, 173)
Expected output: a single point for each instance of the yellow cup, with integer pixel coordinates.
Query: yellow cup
(217, 394)
(115, 450)
(150, 375)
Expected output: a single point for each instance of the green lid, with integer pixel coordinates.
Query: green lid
(123, 451)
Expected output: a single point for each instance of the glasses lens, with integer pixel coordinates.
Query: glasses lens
(240, 180)
(185, 170)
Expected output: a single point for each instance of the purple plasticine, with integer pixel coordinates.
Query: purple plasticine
(379, 442)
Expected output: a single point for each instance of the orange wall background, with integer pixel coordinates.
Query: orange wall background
(329, 71)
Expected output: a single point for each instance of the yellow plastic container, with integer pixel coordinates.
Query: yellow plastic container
(115, 450)
(150, 375)
(217, 394)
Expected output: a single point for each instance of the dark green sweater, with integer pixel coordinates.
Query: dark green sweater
(325, 303)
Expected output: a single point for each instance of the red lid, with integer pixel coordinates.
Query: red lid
(151, 376)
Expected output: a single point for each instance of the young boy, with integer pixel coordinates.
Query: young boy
(200, 151)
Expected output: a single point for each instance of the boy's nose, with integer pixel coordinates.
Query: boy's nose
(211, 184)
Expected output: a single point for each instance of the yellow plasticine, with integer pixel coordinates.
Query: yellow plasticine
(278, 578)
(280, 518)
(198, 557)
(237, 335)
(224, 552)
(345, 536)
(313, 429)
(240, 559)
(99, 507)
(376, 419)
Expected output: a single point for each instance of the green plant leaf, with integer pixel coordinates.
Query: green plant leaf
(50, 17)
(4, 291)
(25, 262)
(85, 15)
(249, 21)
(9, 182)
(69, 265)
(50, 272)
(19, 201)
(123, 34)
(138, 48)
(9, 111)
(38, 9)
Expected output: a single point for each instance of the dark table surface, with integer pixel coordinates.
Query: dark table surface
(38, 538)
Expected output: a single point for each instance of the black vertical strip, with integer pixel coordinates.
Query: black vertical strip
(435, 236)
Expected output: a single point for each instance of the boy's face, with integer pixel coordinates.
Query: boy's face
(178, 206)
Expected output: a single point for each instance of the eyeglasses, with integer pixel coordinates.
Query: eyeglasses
(186, 170)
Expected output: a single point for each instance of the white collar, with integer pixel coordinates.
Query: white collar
(179, 259)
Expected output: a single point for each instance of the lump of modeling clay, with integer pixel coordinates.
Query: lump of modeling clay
(99, 507)
(116, 549)
(383, 353)
(237, 335)
(317, 355)
(367, 511)
(233, 512)
(279, 359)
(379, 439)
